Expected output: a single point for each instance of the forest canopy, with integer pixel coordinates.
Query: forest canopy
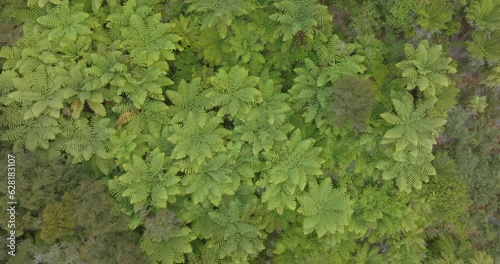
(231, 131)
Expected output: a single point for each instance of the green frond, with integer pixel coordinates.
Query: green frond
(171, 250)
(296, 16)
(434, 16)
(234, 92)
(485, 45)
(220, 13)
(425, 68)
(484, 14)
(326, 210)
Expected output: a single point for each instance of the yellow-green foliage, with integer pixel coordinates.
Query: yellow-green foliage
(249, 132)
(58, 219)
(352, 101)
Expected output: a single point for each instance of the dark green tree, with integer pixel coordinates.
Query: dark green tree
(352, 101)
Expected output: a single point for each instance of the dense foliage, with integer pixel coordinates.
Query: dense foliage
(230, 131)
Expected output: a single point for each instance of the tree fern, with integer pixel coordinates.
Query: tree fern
(312, 89)
(369, 255)
(171, 250)
(34, 134)
(205, 256)
(189, 97)
(147, 183)
(124, 146)
(410, 247)
(248, 44)
(411, 127)
(481, 257)
(42, 3)
(150, 44)
(238, 231)
(144, 130)
(478, 104)
(197, 139)
(493, 79)
(150, 120)
(220, 176)
(85, 83)
(485, 46)
(411, 138)
(434, 16)
(232, 231)
(408, 174)
(284, 178)
(234, 92)
(82, 139)
(335, 51)
(484, 14)
(266, 123)
(316, 100)
(425, 68)
(220, 14)
(213, 48)
(65, 22)
(299, 17)
(325, 209)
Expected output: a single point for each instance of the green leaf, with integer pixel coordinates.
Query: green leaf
(395, 132)
(38, 108)
(98, 108)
